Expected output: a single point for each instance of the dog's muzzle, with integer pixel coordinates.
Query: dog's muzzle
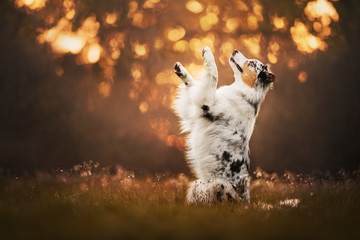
(267, 77)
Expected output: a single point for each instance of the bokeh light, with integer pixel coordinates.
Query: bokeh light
(138, 42)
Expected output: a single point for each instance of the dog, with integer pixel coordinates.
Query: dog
(219, 123)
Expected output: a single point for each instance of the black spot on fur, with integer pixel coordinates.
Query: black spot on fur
(255, 105)
(235, 133)
(178, 71)
(229, 197)
(218, 196)
(243, 138)
(209, 115)
(239, 68)
(205, 108)
(227, 175)
(177, 68)
(226, 156)
(247, 166)
(237, 65)
(242, 189)
(262, 76)
(222, 187)
(179, 74)
(236, 166)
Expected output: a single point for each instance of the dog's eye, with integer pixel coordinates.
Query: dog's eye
(251, 64)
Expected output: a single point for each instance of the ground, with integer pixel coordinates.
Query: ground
(103, 204)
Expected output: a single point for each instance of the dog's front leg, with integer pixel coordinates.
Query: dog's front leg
(184, 75)
(208, 85)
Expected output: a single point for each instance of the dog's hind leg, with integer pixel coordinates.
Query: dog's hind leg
(184, 75)
(210, 191)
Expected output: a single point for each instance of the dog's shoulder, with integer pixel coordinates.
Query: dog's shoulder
(230, 100)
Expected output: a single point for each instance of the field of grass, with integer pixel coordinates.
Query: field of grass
(118, 205)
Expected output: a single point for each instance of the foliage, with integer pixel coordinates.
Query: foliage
(64, 205)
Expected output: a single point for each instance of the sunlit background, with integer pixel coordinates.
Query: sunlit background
(93, 80)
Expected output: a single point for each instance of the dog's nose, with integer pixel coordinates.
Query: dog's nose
(234, 52)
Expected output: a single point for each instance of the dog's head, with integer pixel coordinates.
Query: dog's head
(251, 71)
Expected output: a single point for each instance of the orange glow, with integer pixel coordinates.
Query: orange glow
(171, 140)
(232, 24)
(197, 44)
(302, 76)
(325, 32)
(292, 64)
(226, 49)
(143, 107)
(115, 54)
(252, 22)
(195, 70)
(93, 54)
(70, 14)
(321, 9)
(150, 3)
(68, 43)
(89, 27)
(136, 73)
(32, 4)
(252, 43)
(133, 6)
(140, 49)
(211, 8)
(257, 9)
(305, 41)
(104, 89)
(69, 7)
(137, 19)
(317, 26)
(59, 71)
(116, 43)
(194, 6)
(111, 18)
(152, 35)
(279, 23)
(272, 57)
(176, 34)
(166, 77)
(208, 21)
(63, 40)
(158, 44)
(273, 51)
(180, 46)
(241, 6)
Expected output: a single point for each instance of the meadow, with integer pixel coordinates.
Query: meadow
(89, 202)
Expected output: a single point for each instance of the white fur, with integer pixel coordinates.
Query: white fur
(219, 123)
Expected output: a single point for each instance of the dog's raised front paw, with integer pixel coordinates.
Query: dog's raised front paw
(179, 70)
(208, 56)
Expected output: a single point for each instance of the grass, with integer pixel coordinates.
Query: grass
(72, 205)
